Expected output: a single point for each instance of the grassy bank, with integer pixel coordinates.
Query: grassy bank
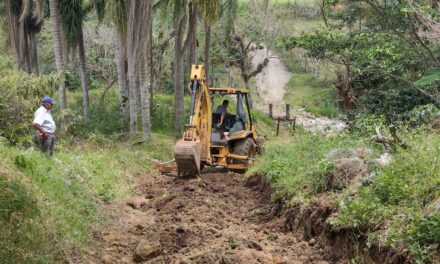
(50, 206)
(396, 209)
(305, 91)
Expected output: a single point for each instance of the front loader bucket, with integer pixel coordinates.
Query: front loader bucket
(187, 157)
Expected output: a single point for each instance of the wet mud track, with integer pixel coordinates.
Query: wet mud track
(220, 217)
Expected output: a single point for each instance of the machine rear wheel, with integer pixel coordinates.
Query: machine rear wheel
(245, 147)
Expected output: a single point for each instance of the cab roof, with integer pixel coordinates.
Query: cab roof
(228, 90)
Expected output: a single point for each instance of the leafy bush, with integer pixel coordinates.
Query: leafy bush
(320, 173)
(421, 115)
(20, 95)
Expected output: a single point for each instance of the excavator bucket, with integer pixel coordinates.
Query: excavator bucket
(187, 157)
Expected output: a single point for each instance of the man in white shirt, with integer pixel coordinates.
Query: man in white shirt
(44, 124)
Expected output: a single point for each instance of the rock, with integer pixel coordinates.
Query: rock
(369, 179)
(146, 250)
(255, 245)
(436, 123)
(183, 261)
(384, 159)
(303, 245)
(276, 260)
(432, 208)
(107, 259)
(312, 242)
(346, 171)
(346, 153)
(181, 229)
(137, 202)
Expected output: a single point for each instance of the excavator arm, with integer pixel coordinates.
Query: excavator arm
(194, 146)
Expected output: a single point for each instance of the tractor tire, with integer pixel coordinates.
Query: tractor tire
(259, 142)
(245, 147)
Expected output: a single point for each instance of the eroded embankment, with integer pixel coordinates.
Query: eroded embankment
(312, 221)
(220, 217)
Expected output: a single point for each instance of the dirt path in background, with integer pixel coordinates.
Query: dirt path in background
(218, 218)
(271, 86)
(271, 82)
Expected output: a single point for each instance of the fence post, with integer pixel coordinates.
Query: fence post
(270, 110)
(278, 125)
(287, 112)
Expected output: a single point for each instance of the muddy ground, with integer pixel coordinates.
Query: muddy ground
(220, 217)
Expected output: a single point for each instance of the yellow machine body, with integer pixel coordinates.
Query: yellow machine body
(197, 148)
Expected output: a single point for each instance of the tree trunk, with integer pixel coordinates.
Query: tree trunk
(145, 99)
(178, 87)
(132, 83)
(122, 79)
(83, 73)
(150, 46)
(14, 41)
(193, 41)
(56, 34)
(26, 47)
(246, 84)
(34, 55)
(207, 54)
(137, 37)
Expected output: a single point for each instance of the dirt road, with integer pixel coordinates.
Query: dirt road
(271, 82)
(218, 218)
(271, 86)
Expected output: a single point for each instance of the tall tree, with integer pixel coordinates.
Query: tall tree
(56, 34)
(72, 16)
(119, 12)
(137, 38)
(25, 19)
(211, 11)
(183, 12)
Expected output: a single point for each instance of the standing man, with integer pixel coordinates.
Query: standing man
(44, 124)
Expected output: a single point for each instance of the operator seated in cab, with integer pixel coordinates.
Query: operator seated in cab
(227, 121)
(222, 110)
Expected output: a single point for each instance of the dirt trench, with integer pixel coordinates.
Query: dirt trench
(220, 217)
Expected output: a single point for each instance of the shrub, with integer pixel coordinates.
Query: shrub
(20, 95)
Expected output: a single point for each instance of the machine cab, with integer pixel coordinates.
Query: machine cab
(231, 117)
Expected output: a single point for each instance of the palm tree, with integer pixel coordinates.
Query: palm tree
(182, 11)
(56, 34)
(72, 17)
(119, 12)
(211, 11)
(137, 38)
(24, 19)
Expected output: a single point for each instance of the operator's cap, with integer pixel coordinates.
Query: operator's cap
(48, 100)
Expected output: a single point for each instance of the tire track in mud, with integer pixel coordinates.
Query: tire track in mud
(221, 217)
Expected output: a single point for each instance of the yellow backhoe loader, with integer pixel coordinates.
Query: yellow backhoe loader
(231, 143)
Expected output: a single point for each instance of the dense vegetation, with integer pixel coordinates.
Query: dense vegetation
(119, 70)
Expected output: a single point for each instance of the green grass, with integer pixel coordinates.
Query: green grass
(305, 91)
(287, 162)
(398, 198)
(60, 204)
(25, 236)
